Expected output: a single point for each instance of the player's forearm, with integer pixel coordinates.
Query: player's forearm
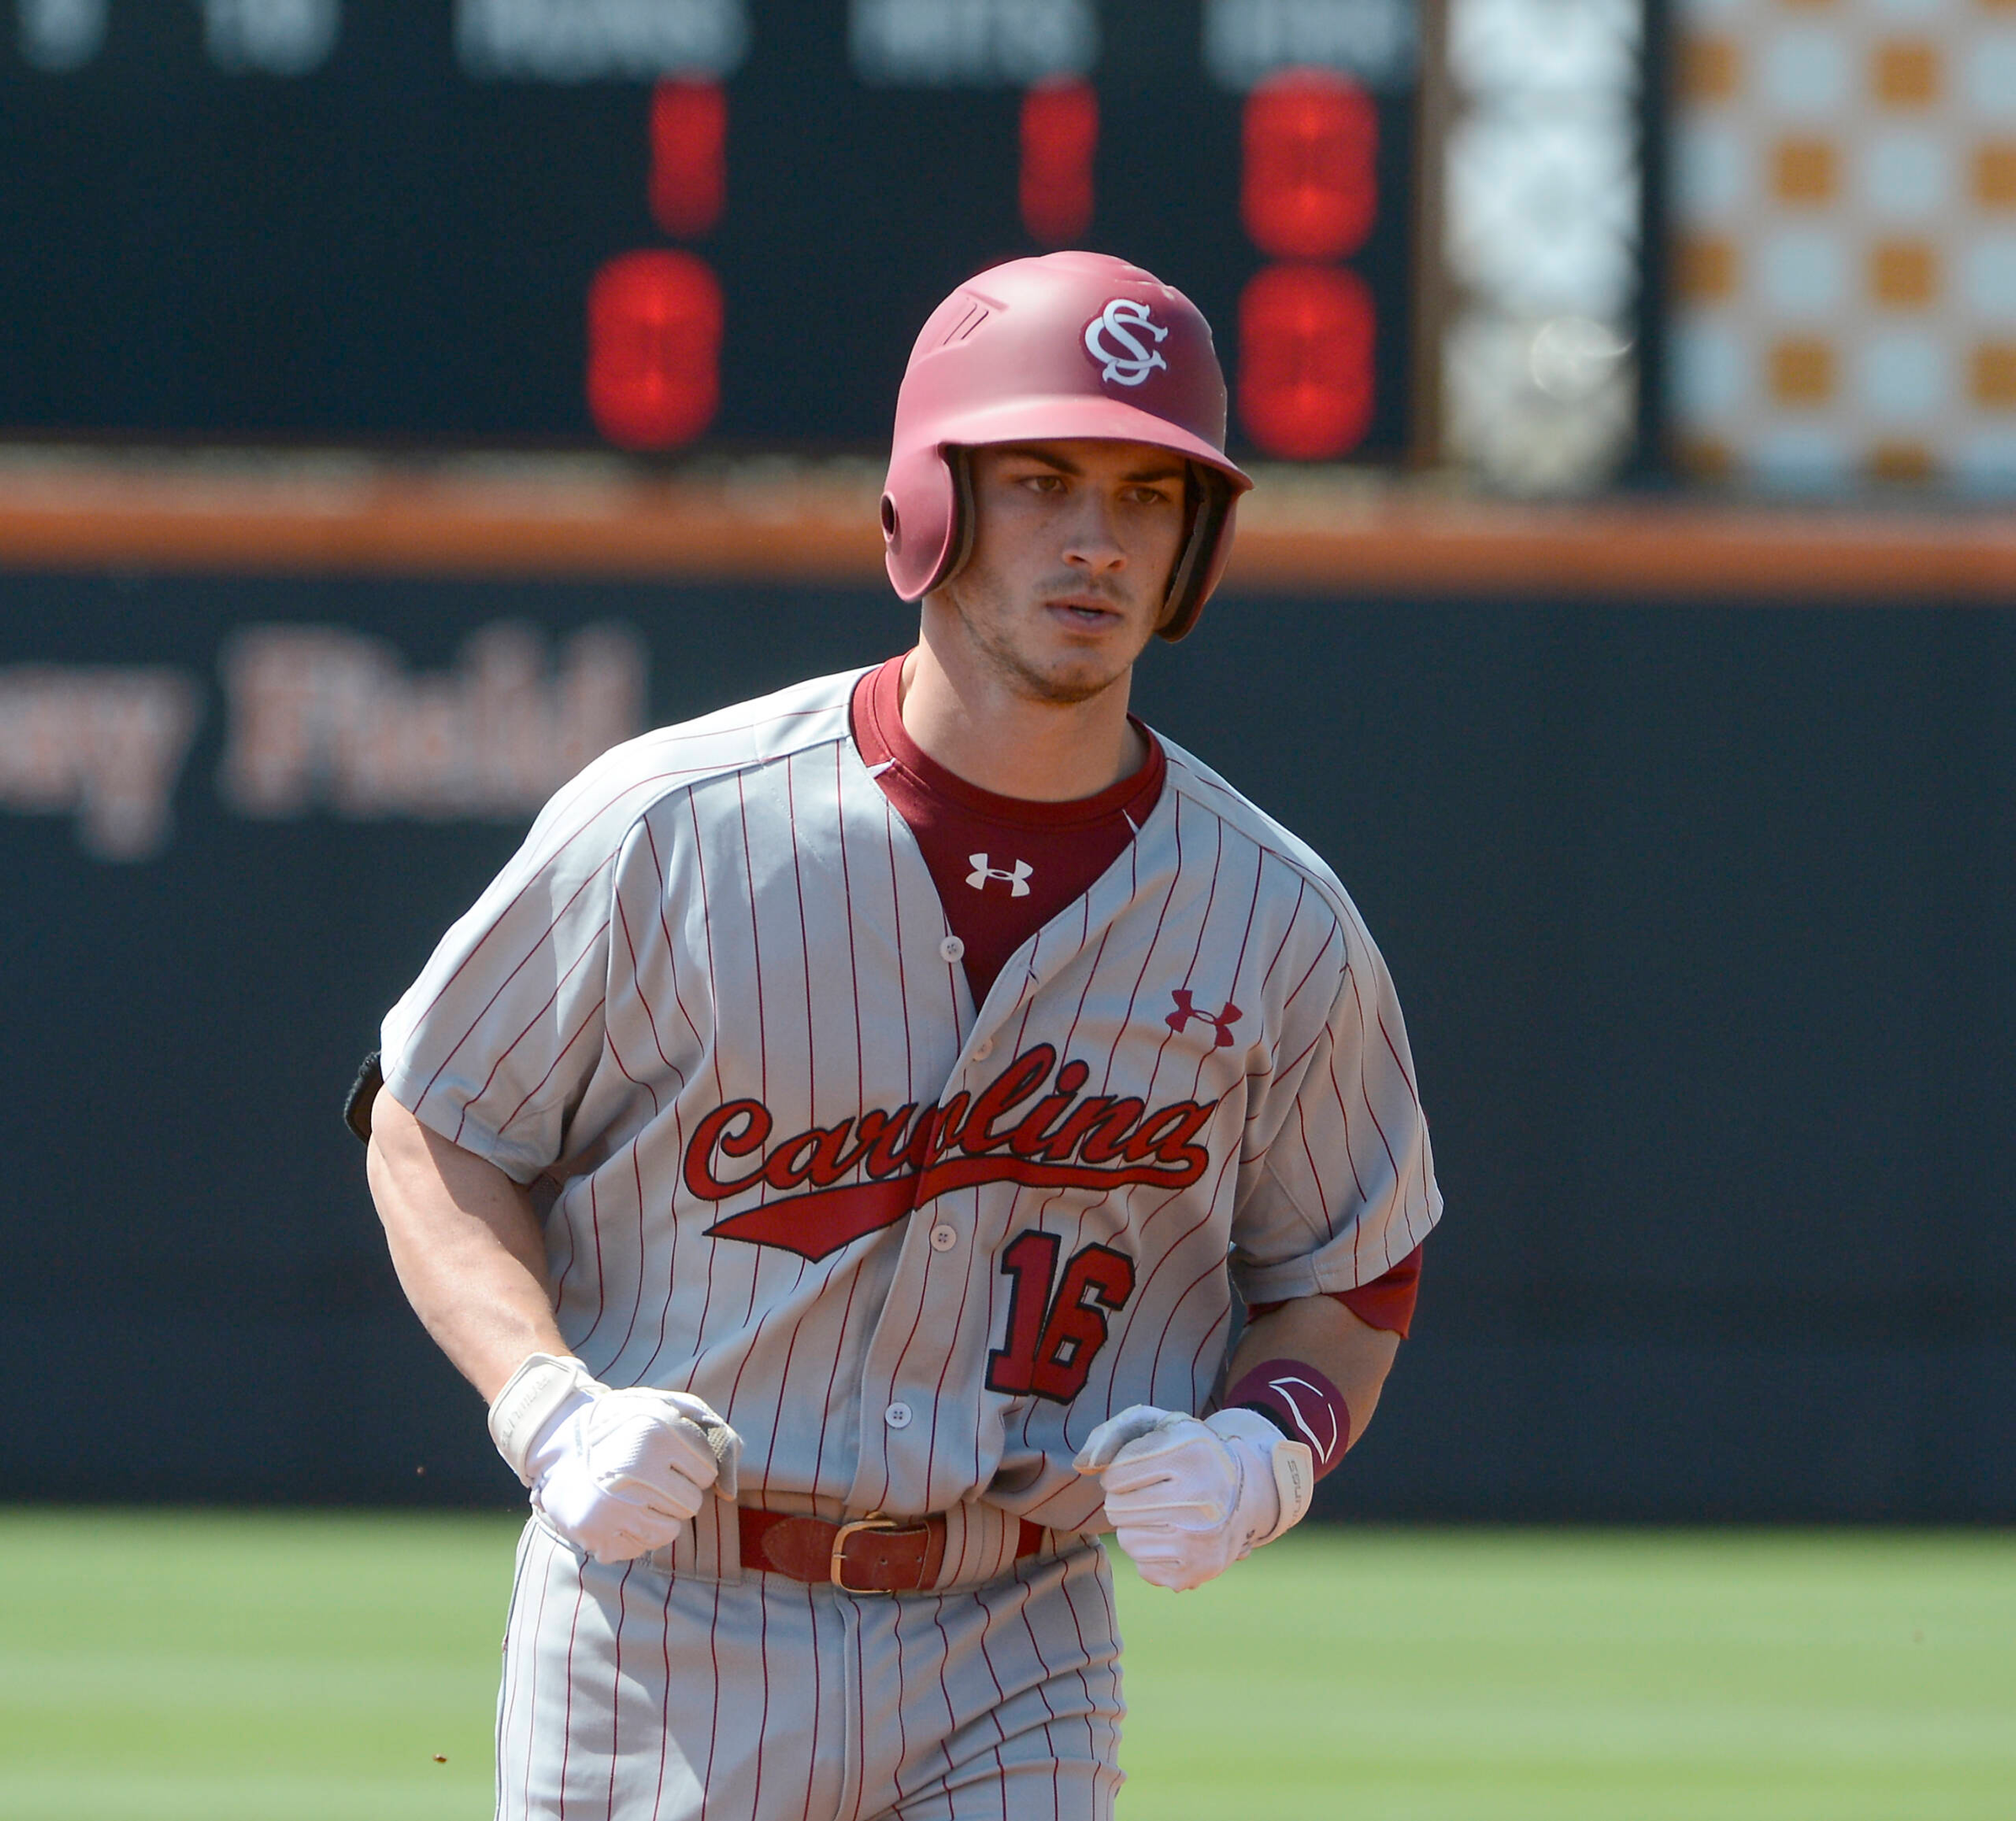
(467, 1247)
(1319, 1331)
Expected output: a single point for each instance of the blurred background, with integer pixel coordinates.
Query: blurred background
(402, 400)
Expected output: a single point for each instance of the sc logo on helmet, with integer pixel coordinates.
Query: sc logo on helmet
(1110, 339)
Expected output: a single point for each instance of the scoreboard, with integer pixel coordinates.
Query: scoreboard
(670, 224)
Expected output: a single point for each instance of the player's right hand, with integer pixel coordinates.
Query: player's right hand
(614, 1473)
(624, 1472)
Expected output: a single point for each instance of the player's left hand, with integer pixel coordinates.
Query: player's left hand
(1189, 1497)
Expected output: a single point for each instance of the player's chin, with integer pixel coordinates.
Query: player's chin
(1076, 677)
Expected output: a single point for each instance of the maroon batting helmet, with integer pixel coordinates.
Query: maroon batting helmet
(1069, 344)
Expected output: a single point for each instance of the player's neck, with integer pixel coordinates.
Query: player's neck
(981, 728)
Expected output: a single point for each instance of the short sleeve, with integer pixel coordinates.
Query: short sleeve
(493, 1045)
(1338, 1185)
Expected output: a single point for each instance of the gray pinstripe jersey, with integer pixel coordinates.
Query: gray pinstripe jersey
(912, 1248)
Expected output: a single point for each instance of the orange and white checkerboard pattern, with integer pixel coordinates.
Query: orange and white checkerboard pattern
(1845, 271)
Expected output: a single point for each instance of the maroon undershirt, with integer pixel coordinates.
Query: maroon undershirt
(1005, 866)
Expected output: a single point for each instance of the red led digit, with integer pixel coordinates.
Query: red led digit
(1059, 133)
(654, 348)
(1310, 188)
(1305, 348)
(688, 156)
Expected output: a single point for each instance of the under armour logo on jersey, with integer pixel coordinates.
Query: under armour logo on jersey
(1017, 876)
(1222, 1021)
(1110, 339)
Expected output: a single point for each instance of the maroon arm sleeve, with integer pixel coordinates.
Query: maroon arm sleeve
(1387, 1302)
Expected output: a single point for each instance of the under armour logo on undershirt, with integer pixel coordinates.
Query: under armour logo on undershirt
(1016, 878)
(1222, 1022)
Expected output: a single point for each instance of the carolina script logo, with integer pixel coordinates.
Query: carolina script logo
(1110, 339)
(900, 1160)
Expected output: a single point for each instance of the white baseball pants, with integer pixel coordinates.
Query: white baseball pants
(630, 1694)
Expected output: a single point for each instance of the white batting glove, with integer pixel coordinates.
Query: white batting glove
(1189, 1497)
(618, 1474)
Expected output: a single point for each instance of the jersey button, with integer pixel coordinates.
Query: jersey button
(943, 1238)
(952, 948)
(897, 1415)
(983, 1049)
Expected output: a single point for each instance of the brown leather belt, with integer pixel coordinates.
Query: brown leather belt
(869, 1555)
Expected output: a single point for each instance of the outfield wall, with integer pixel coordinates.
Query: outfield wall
(1701, 915)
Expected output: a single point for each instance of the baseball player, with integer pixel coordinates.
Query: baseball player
(833, 1144)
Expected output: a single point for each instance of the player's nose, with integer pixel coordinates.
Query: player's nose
(1092, 538)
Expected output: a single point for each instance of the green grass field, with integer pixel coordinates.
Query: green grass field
(155, 1667)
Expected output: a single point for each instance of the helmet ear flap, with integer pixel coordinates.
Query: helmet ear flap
(926, 518)
(958, 463)
(1196, 573)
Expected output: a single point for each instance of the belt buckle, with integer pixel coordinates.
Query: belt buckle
(836, 1567)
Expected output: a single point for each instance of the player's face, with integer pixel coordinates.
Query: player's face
(1073, 544)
